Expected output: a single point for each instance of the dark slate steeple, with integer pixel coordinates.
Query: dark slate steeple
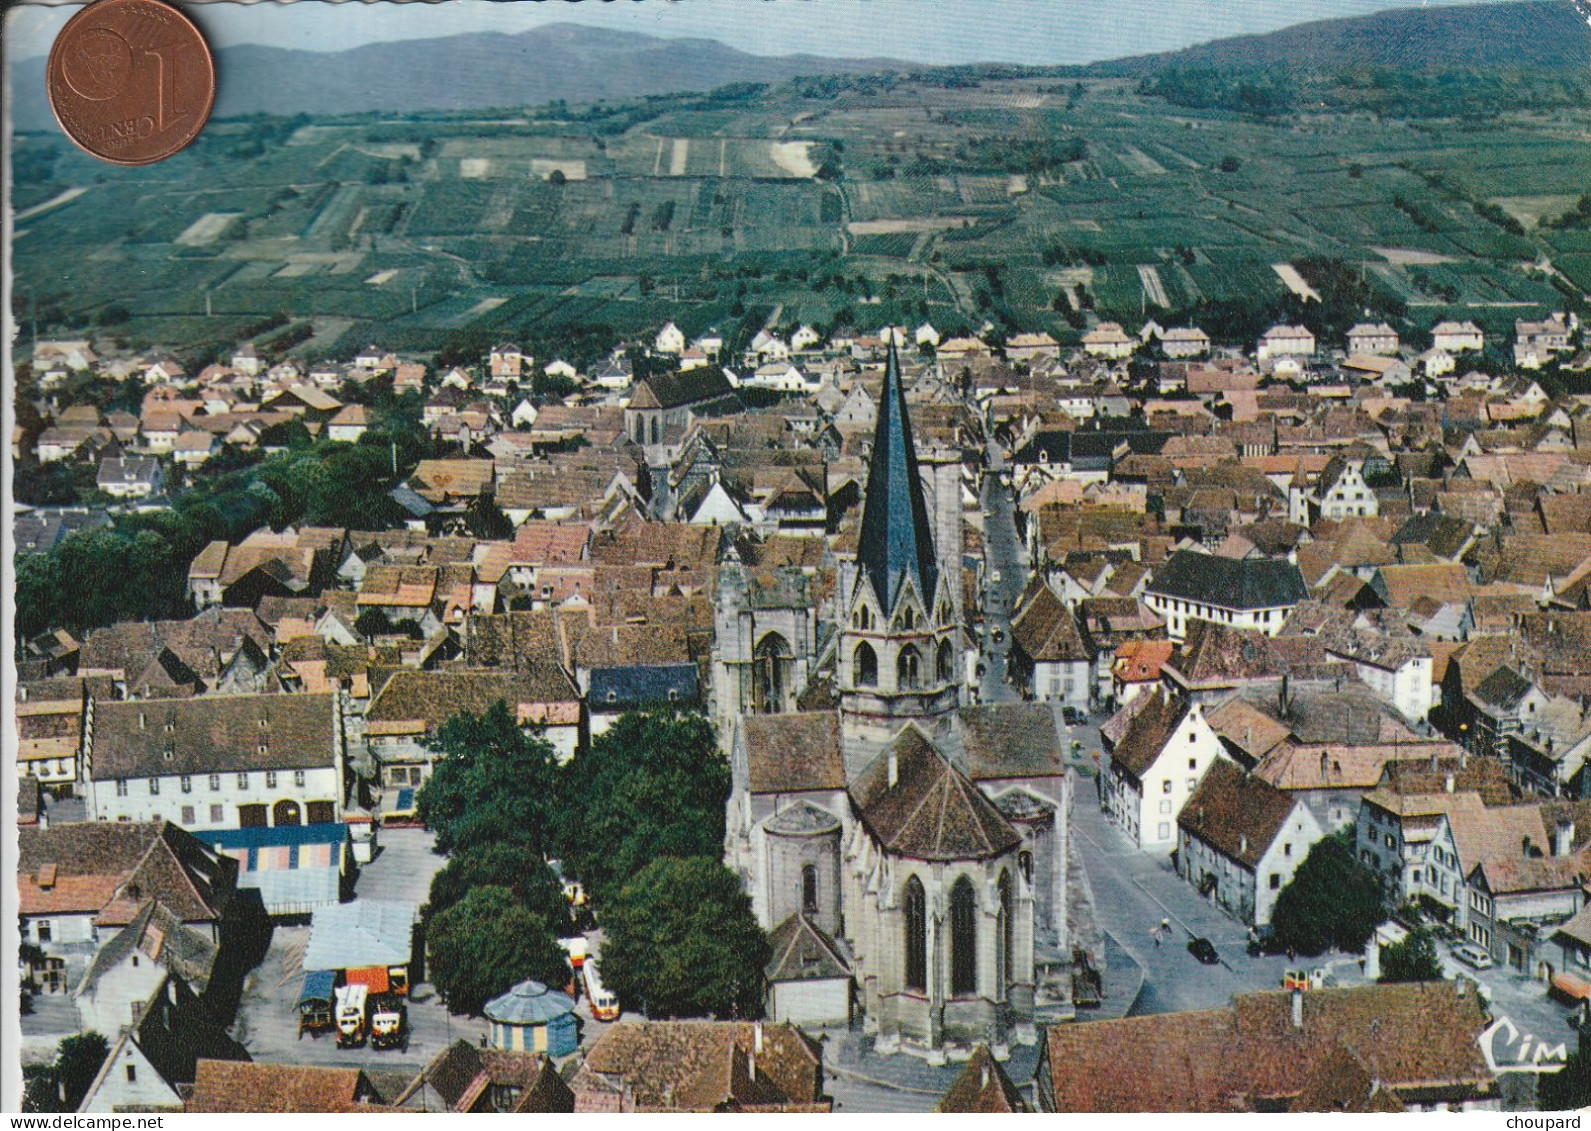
(896, 537)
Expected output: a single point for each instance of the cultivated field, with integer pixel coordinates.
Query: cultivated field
(712, 212)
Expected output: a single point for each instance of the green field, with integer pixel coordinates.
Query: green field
(413, 233)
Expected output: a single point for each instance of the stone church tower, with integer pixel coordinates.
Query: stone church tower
(899, 602)
(764, 643)
(906, 852)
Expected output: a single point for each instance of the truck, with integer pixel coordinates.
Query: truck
(389, 1021)
(353, 1018)
(315, 1002)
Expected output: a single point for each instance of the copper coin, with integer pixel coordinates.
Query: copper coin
(131, 81)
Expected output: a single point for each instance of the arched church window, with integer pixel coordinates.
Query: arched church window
(963, 939)
(945, 665)
(1003, 951)
(773, 666)
(809, 889)
(864, 666)
(863, 618)
(1024, 860)
(908, 668)
(916, 936)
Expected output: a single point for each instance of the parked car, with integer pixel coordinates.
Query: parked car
(1204, 951)
(1473, 956)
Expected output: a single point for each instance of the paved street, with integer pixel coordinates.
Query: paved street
(402, 868)
(1004, 558)
(54, 1016)
(1519, 998)
(1134, 891)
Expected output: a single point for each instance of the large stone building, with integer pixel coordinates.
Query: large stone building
(927, 840)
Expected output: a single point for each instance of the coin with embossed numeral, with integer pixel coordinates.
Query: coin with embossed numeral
(131, 81)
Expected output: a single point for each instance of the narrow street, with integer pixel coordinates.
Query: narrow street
(1005, 576)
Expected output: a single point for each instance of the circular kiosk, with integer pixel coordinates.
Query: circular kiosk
(532, 1018)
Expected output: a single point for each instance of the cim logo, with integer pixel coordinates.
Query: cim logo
(1507, 1050)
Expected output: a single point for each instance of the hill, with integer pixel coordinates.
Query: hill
(578, 64)
(463, 72)
(1033, 200)
(1525, 33)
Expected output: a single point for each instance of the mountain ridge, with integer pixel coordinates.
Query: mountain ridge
(1548, 34)
(578, 63)
(471, 71)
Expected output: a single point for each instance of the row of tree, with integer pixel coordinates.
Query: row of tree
(637, 817)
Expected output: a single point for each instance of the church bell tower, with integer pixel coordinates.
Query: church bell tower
(898, 658)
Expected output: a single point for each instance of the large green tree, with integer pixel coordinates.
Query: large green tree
(484, 519)
(682, 942)
(652, 785)
(488, 942)
(492, 783)
(1411, 959)
(61, 1085)
(505, 865)
(1332, 901)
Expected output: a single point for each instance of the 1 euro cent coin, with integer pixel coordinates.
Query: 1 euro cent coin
(131, 81)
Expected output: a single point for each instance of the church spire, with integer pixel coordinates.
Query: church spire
(896, 537)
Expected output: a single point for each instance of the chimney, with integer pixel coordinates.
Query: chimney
(1433, 761)
(1563, 838)
(1298, 1008)
(985, 1081)
(894, 776)
(756, 1036)
(1447, 784)
(1242, 844)
(140, 720)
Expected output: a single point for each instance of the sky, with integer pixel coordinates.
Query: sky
(927, 31)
